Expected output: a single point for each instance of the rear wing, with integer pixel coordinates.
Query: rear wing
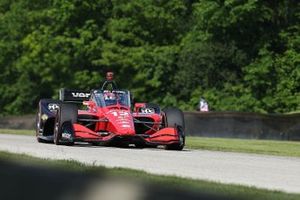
(76, 96)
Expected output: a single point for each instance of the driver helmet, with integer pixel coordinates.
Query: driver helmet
(109, 75)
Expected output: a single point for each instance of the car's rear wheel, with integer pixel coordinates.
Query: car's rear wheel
(140, 145)
(66, 117)
(174, 118)
(95, 143)
(40, 126)
(181, 143)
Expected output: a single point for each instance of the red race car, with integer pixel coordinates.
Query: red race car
(106, 117)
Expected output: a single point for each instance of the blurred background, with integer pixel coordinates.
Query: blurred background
(238, 55)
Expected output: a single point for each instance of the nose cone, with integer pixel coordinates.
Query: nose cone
(120, 122)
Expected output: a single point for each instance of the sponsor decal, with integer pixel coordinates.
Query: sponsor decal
(147, 110)
(53, 106)
(115, 91)
(120, 114)
(44, 117)
(125, 126)
(66, 135)
(80, 94)
(124, 113)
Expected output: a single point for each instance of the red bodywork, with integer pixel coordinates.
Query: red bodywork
(120, 122)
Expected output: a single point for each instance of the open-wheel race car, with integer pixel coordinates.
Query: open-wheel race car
(104, 117)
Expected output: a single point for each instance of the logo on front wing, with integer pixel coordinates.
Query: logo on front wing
(66, 135)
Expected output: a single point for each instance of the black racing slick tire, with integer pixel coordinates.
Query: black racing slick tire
(37, 128)
(66, 117)
(174, 118)
(43, 123)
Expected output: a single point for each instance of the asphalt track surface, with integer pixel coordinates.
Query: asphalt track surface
(261, 171)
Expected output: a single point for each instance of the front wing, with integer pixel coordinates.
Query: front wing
(164, 136)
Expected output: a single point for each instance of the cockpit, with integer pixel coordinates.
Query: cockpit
(105, 98)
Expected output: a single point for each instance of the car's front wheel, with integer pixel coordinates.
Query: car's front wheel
(174, 118)
(63, 130)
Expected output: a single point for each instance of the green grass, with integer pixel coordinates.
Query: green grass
(169, 183)
(293, 112)
(269, 147)
(17, 132)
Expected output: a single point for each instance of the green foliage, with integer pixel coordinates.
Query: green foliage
(239, 55)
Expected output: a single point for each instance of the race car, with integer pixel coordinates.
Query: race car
(104, 117)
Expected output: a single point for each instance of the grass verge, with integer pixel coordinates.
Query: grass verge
(268, 147)
(17, 132)
(158, 187)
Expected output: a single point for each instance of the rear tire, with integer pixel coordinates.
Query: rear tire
(40, 125)
(174, 118)
(140, 145)
(66, 117)
(95, 143)
(37, 126)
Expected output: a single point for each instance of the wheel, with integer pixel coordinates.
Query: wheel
(174, 118)
(140, 145)
(178, 146)
(95, 143)
(45, 117)
(66, 117)
(38, 125)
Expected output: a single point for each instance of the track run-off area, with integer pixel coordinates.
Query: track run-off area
(261, 171)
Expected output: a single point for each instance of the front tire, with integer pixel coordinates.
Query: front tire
(66, 117)
(180, 145)
(45, 118)
(38, 125)
(174, 118)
